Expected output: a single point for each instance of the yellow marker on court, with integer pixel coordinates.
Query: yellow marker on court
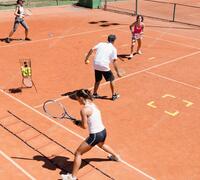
(188, 103)
(168, 95)
(172, 113)
(151, 104)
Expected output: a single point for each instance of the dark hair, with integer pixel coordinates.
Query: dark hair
(84, 93)
(138, 16)
(19, 1)
(111, 38)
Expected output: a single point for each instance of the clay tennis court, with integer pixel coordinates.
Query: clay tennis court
(154, 125)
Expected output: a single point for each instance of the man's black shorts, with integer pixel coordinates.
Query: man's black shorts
(108, 75)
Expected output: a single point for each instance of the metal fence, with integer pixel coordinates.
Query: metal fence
(174, 12)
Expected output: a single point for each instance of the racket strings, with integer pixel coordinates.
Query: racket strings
(54, 109)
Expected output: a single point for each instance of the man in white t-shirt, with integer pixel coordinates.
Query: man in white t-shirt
(106, 53)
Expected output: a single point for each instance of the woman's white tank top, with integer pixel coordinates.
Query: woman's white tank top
(95, 123)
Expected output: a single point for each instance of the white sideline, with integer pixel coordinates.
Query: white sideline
(60, 125)
(17, 165)
(170, 79)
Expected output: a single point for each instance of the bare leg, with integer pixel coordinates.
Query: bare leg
(26, 33)
(108, 149)
(83, 148)
(112, 87)
(132, 46)
(96, 86)
(139, 46)
(11, 33)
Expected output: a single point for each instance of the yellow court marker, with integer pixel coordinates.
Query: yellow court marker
(188, 103)
(151, 104)
(168, 95)
(172, 113)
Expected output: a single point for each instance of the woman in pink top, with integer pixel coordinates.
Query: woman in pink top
(137, 30)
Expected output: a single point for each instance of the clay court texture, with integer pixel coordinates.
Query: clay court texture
(154, 125)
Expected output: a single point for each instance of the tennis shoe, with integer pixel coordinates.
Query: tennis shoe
(139, 52)
(131, 55)
(95, 95)
(68, 177)
(114, 158)
(27, 39)
(115, 96)
(7, 40)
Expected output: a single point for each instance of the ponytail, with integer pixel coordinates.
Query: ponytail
(84, 93)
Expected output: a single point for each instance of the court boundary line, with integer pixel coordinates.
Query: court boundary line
(59, 37)
(170, 79)
(16, 165)
(138, 72)
(161, 39)
(88, 32)
(131, 74)
(74, 133)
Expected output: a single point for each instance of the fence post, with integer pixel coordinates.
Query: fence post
(136, 7)
(174, 12)
(105, 4)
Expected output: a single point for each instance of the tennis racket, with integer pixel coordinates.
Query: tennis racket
(56, 110)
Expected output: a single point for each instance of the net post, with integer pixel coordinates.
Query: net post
(174, 12)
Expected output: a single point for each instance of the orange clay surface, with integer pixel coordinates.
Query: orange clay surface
(153, 126)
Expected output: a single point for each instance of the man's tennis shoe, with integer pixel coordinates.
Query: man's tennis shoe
(68, 177)
(115, 96)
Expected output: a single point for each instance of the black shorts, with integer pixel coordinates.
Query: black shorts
(108, 75)
(96, 138)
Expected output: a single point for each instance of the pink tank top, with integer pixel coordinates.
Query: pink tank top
(137, 29)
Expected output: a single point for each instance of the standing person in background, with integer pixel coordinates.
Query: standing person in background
(91, 118)
(106, 53)
(137, 31)
(19, 19)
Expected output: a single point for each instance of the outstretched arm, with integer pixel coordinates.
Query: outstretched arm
(116, 68)
(88, 55)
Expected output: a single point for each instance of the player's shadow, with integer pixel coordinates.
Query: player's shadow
(72, 95)
(11, 39)
(125, 56)
(104, 23)
(63, 163)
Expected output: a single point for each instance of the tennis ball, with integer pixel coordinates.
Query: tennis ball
(87, 61)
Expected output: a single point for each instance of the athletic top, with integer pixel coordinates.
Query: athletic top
(20, 11)
(95, 123)
(105, 54)
(137, 29)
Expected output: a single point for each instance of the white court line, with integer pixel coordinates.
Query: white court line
(137, 72)
(176, 35)
(170, 79)
(17, 165)
(74, 133)
(158, 38)
(158, 65)
(151, 58)
(59, 37)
